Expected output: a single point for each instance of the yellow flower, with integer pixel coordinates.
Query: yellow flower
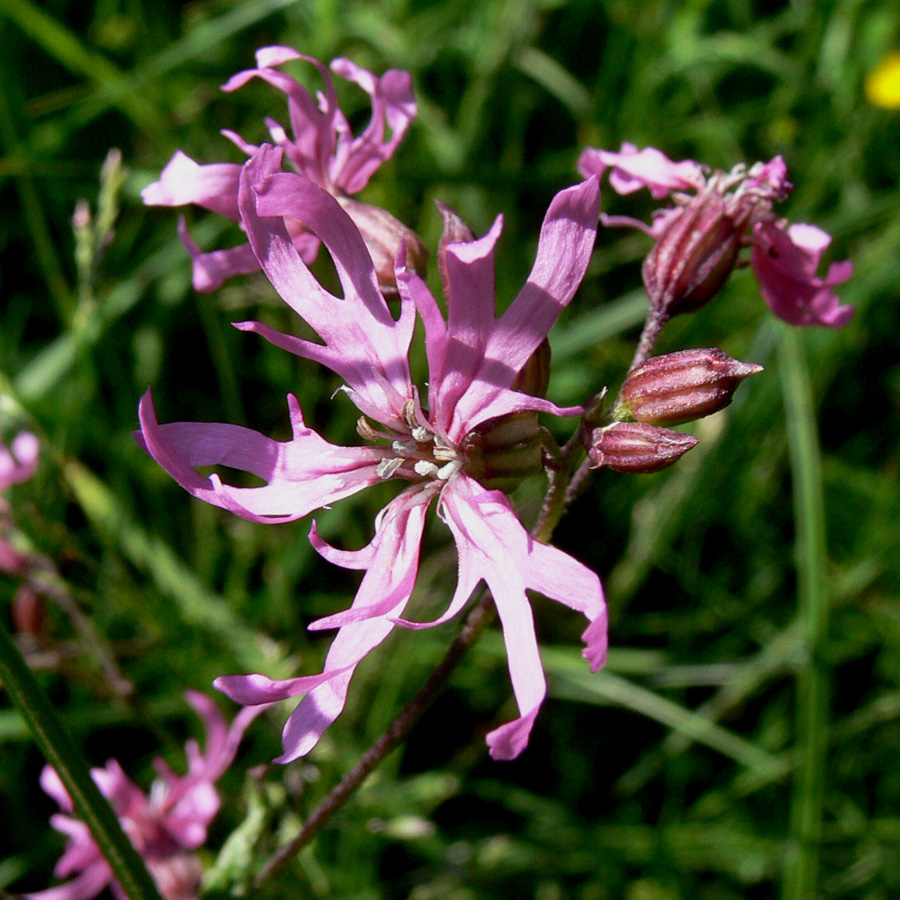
(883, 83)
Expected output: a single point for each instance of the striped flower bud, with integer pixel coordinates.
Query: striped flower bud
(695, 253)
(637, 447)
(383, 233)
(534, 376)
(682, 386)
(503, 451)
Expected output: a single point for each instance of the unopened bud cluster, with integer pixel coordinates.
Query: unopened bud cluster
(665, 390)
(682, 386)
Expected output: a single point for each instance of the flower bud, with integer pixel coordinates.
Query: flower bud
(383, 233)
(637, 447)
(503, 451)
(695, 254)
(534, 377)
(682, 386)
(28, 614)
(455, 232)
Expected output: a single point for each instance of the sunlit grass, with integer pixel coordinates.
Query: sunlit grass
(743, 741)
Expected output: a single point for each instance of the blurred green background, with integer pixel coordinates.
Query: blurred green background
(744, 740)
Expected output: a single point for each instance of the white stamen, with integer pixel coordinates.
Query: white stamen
(446, 472)
(404, 448)
(388, 467)
(421, 434)
(425, 468)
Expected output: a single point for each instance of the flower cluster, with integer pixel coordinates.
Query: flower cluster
(165, 825)
(714, 216)
(454, 444)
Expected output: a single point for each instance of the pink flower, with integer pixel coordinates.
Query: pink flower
(164, 826)
(784, 258)
(322, 148)
(18, 463)
(474, 357)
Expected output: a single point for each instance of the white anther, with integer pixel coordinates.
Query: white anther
(421, 434)
(404, 448)
(388, 467)
(444, 454)
(425, 468)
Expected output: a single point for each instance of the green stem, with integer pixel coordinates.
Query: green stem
(802, 860)
(653, 327)
(61, 752)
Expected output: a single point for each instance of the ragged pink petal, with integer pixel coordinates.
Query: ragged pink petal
(785, 261)
(259, 690)
(183, 181)
(633, 169)
(497, 551)
(475, 386)
(364, 344)
(302, 474)
(394, 565)
(393, 572)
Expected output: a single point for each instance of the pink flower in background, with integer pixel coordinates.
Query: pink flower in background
(164, 826)
(18, 463)
(474, 358)
(321, 146)
(785, 258)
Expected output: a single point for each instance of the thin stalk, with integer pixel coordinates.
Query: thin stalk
(801, 874)
(391, 738)
(653, 327)
(32, 207)
(61, 752)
